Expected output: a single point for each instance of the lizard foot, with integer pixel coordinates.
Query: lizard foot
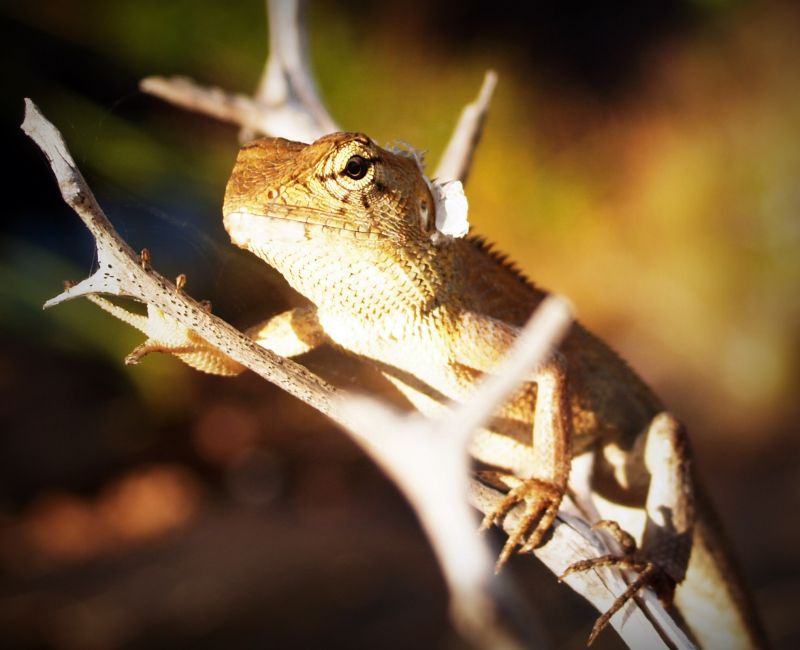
(650, 574)
(541, 500)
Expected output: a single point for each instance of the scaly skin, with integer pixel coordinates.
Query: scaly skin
(350, 226)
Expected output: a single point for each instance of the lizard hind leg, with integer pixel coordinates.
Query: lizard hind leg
(648, 573)
(661, 560)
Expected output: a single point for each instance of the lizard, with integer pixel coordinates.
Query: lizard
(353, 228)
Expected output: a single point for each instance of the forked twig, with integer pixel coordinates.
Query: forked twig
(286, 103)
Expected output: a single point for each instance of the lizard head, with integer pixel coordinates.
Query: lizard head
(339, 217)
(341, 187)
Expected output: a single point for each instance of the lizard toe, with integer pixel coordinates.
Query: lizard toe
(541, 501)
(648, 574)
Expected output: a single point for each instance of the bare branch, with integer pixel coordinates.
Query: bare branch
(120, 273)
(286, 104)
(457, 157)
(482, 607)
(287, 80)
(285, 120)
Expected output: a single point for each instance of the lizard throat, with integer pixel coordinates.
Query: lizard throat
(303, 251)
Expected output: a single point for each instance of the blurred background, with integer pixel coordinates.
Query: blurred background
(641, 158)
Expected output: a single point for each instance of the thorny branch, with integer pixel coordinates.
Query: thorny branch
(481, 608)
(427, 459)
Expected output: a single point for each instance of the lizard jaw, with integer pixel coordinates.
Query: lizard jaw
(247, 230)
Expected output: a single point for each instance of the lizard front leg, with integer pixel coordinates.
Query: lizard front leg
(481, 343)
(543, 488)
(290, 333)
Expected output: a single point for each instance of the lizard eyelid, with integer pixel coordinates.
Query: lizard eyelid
(357, 167)
(426, 216)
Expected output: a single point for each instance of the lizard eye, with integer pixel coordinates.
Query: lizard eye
(356, 168)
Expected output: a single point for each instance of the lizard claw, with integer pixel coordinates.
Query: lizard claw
(650, 574)
(541, 500)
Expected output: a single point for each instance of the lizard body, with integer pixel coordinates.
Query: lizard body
(351, 227)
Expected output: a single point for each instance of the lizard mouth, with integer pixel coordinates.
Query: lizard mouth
(285, 223)
(247, 229)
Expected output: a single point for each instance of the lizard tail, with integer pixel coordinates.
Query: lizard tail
(713, 598)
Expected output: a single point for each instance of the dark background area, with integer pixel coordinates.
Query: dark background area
(641, 158)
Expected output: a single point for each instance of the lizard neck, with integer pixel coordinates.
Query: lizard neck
(380, 281)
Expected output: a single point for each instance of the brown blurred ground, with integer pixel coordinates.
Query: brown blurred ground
(642, 161)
